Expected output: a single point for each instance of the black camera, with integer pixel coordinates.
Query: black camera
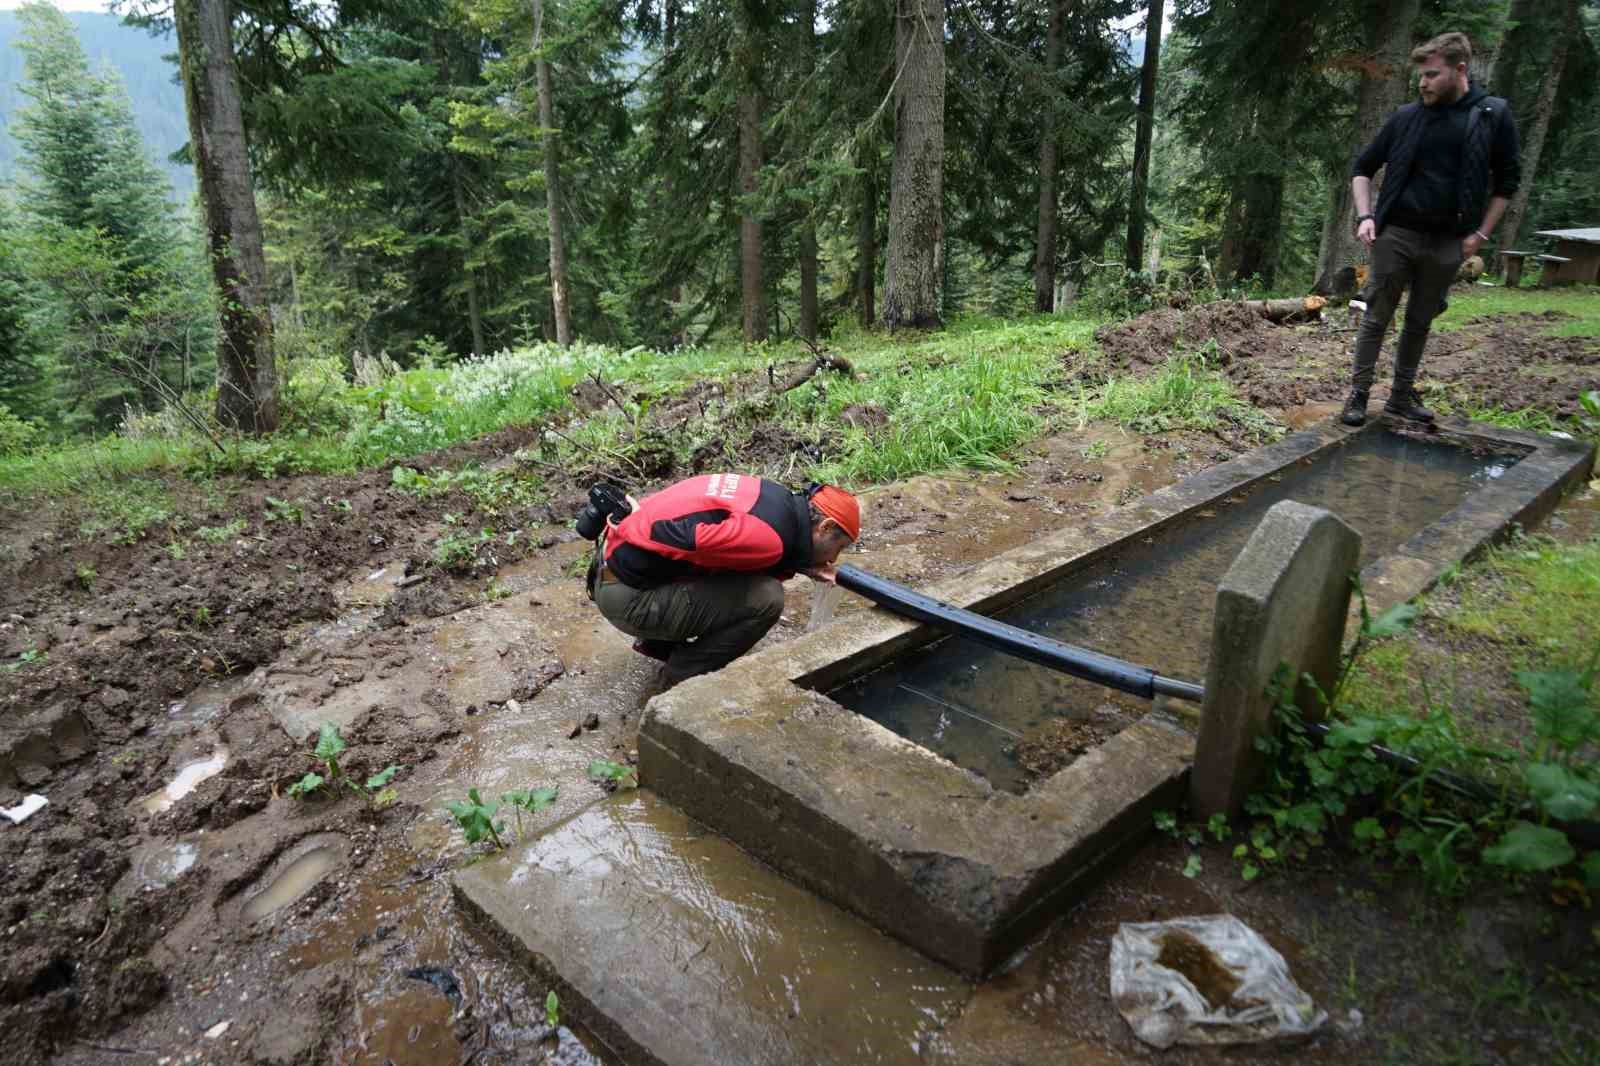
(605, 501)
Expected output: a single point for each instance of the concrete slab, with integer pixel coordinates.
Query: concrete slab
(672, 946)
(923, 848)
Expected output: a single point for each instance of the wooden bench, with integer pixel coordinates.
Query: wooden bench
(1547, 275)
(1511, 266)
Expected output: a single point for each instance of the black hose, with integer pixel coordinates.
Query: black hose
(1079, 662)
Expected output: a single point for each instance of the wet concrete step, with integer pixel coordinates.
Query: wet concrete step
(675, 947)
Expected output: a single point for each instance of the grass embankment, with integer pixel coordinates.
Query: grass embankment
(963, 397)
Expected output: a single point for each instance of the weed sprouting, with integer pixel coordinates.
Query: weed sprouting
(284, 511)
(330, 745)
(613, 774)
(466, 552)
(552, 1009)
(476, 819)
(218, 534)
(532, 800)
(24, 658)
(86, 575)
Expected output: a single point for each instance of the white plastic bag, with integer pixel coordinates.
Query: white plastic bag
(1219, 983)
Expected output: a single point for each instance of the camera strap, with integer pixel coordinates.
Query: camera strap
(591, 580)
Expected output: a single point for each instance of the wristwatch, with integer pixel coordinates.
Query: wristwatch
(1362, 218)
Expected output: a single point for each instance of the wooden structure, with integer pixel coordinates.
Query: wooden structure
(1576, 258)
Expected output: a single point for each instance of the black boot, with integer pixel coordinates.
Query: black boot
(1405, 403)
(1355, 409)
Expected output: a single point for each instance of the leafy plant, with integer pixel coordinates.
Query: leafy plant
(284, 511)
(552, 1009)
(495, 590)
(24, 658)
(476, 819)
(308, 784)
(330, 745)
(176, 551)
(218, 534)
(1442, 824)
(464, 551)
(613, 774)
(377, 789)
(531, 800)
(86, 575)
(1590, 418)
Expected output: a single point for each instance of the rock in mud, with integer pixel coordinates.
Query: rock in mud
(439, 978)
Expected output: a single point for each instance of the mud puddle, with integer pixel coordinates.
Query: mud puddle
(188, 779)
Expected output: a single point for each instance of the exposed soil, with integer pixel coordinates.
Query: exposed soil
(1504, 361)
(115, 682)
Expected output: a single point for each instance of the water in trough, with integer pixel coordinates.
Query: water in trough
(1151, 604)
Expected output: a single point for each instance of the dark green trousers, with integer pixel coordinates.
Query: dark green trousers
(1424, 263)
(712, 620)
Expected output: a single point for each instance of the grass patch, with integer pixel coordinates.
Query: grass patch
(1185, 394)
(966, 413)
(1581, 302)
(1450, 400)
(1543, 597)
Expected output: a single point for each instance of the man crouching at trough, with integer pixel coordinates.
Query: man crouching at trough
(695, 571)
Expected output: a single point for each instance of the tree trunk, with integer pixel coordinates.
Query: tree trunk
(1384, 80)
(474, 312)
(1143, 134)
(1044, 254)
(1533, 146)
(747, 58)
(867, 237)
(916, 181)
(754, 299)
(808, 226)
(1507, 58)
(1253, 230)
(559, 293)
(247, 378)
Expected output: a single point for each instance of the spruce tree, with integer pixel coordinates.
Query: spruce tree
(113, 307)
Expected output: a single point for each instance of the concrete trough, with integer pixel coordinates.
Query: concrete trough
(931, 852)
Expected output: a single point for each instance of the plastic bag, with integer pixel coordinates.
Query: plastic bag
(1208, 980)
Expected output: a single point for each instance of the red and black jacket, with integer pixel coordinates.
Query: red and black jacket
(713, 523)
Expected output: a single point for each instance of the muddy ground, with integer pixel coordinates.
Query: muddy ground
(1503, 361)
(140, 931)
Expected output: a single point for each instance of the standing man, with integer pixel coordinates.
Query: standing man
(1452, 165)
(695, 571)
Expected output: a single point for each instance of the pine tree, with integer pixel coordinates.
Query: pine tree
(112, 312)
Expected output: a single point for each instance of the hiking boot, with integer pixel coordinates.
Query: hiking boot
(1405, 403)
(1355, 409)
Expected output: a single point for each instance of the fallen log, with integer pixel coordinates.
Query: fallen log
(820, 360)
(1295, 309)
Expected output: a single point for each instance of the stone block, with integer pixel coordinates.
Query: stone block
(1283, 601)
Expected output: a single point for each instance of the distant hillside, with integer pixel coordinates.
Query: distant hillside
(137, 56)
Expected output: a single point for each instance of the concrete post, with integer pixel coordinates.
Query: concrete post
(1283, 601)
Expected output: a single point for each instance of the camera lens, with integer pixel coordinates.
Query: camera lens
(590, 522)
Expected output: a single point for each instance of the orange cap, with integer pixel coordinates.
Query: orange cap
(840, 506)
